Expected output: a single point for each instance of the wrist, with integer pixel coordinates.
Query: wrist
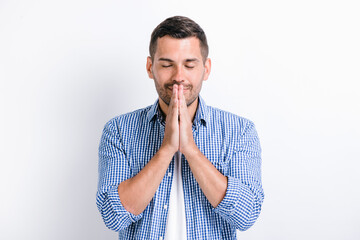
(190, 150)
(167, 151)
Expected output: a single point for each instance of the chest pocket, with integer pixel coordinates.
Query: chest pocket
(220, 155)
(219, 147)
(142, 146)
(139, 155)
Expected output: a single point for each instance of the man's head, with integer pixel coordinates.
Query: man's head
(178, 55)
(179, 27)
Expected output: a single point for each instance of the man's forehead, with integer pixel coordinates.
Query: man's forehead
(189, 48)
(168, 40)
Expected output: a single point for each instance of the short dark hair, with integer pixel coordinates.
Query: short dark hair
(179, 27)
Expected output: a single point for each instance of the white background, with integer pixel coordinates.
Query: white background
(292, 67)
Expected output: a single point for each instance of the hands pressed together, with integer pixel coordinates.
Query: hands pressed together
(178, 137)
(178, 128)
(137, 192)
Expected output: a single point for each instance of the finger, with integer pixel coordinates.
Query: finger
(174, 98)
(183, 106)
(172, 101)
(181, 92)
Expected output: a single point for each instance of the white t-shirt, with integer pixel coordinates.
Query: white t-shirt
(176, 221)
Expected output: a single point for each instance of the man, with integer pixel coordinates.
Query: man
(179, 169)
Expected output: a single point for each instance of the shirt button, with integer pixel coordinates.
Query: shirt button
(165, 206)
(169, 174)
(160, 238)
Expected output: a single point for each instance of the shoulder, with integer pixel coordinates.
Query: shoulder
(128, 120)
(228, 120)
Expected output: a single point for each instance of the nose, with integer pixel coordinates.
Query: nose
(178, 75)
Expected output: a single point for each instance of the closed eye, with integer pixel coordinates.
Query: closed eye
(166, 66)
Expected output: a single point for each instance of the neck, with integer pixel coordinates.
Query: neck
(191, 108)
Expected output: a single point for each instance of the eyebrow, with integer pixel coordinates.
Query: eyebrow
(165, 59)
(187, 60)
(192, 60)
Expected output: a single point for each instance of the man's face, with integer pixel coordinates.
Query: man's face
(178, 61)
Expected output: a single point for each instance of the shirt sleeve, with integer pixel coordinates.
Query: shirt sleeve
(241, 205)
(113, 169)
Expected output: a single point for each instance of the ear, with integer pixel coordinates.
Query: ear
(207, 69)
(149, 67)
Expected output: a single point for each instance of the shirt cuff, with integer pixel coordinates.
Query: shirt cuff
(118, 207)
(236, 195)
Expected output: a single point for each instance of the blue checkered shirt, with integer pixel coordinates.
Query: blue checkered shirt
(228, 141)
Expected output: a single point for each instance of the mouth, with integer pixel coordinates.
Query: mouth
(184, 89)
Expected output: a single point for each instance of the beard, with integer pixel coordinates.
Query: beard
(165, 92)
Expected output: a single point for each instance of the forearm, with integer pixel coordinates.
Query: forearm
(136, 193)
(212, 183)
(241, 205)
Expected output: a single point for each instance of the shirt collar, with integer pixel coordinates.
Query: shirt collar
(201, 115)
(153, 110)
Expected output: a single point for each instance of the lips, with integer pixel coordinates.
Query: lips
(185, 88)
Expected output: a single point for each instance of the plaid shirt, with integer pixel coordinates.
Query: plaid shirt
(228, 141)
